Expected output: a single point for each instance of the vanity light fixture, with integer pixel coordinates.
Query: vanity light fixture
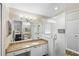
(32, 17)
(26, 16)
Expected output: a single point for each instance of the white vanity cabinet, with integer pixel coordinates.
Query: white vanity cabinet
(36, 51)
(39, 50)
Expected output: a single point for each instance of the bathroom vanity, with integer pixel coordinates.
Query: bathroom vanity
(28, 48)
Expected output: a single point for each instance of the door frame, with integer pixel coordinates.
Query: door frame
(1, 29)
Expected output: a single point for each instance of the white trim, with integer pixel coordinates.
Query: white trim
(72, 51)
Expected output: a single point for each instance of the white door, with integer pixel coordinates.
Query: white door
(0, 29)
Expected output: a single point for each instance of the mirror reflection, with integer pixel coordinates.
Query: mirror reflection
(21, 29)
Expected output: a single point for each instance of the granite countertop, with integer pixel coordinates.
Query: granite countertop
(25, 44)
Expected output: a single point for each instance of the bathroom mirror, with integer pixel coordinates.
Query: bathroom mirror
(21, 29)
(26, 27)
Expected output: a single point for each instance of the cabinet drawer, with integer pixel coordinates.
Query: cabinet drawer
(22, 51)
(18, 52)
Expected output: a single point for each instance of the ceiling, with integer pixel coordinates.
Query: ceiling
(45, 9)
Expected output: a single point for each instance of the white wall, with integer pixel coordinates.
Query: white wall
(60, 42)
(5, 39)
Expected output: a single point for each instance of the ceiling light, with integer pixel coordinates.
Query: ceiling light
(56, 8)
